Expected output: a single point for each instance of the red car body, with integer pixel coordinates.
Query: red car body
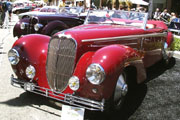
(113, 47)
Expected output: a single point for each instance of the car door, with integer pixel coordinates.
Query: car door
(152, 45)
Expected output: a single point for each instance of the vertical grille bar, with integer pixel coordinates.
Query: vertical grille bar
(60, 62)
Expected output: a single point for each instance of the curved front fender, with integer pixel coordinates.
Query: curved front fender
(113, 59)
(17, 30)
(33, 51)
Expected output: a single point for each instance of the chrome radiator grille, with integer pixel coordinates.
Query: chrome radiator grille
(60, 62)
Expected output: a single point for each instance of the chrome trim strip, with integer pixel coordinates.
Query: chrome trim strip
(145, 21)
(126, 37)
(174, 30)
(126, 44)
(65, 98)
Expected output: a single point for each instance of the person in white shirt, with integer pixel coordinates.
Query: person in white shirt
(173, 15)
(165, 16)
(156, 15)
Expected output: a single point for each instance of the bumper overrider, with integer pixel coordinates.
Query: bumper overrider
(59, 96)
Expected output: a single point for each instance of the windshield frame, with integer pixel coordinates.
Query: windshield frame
(144, 21)
(67, 10)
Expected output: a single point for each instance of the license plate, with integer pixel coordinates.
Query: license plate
(72, 113)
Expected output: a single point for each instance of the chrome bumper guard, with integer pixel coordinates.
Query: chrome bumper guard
(61, 97)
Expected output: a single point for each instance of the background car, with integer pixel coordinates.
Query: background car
(23, 9)
(43, 10)
(50, 23)
(94, 65)
(174, 26)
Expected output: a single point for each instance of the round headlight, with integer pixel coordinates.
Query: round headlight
(95, 74)
(37, 26)
(13, 56)
(23, 25)
(30, 72)
(74, 83)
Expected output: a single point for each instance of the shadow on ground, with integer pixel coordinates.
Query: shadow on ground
(135, 97)
(159, 68)
(132, 102)
(32, 100)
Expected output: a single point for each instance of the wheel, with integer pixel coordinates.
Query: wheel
(120, 91)
(125, 84)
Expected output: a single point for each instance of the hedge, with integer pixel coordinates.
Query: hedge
(176, 44)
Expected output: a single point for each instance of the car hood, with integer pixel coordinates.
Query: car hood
(94, 31)
(34, 13)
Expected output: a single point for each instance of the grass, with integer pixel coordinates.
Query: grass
(176, 44)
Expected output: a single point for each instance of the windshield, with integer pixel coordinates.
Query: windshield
(71, 10)
(49, 9)
(126, 18)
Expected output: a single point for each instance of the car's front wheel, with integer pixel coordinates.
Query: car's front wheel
(126, 83)
(120, 91)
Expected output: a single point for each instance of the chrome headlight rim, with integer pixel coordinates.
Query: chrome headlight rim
(37, 26)
(74, 83)
(30, 72)
(16, 57)
(23, 25)
(99, 70)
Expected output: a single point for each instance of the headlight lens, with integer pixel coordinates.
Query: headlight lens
(95, 74)
(74, 83)
(23, 25)
(30, 72)
(37, 26)
(13, 56)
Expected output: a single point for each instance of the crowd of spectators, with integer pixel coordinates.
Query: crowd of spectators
(164, 16)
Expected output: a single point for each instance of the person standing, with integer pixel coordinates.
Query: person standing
(173, 16)
(165, 16)
(156, 15)
(9, 8)
(5, 14)
(1, 14)
(4, 9)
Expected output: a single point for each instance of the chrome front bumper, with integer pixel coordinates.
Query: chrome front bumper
(61, 97)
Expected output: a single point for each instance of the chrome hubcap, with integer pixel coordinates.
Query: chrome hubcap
(121, 89)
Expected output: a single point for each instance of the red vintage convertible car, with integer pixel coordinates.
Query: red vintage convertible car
(92, 65)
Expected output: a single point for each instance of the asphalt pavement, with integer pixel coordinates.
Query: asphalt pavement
(15, 103)
(156, 99)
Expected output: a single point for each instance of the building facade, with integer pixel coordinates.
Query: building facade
(171, 5)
